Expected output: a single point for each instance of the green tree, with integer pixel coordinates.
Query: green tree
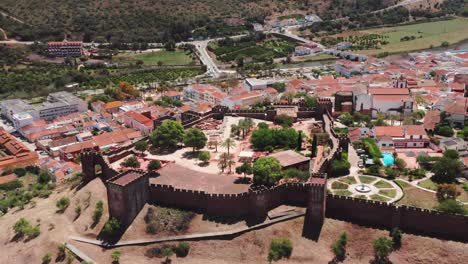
(116, 256)
(97, 214)
(62, 204)
(382, 248)
(346, 119)
(280, 248)
(77, 210)
(451, 154)
(284, 120)
(446, 170)
(44, 177)
(310, 101)
(245, 168)
(131, 162)
(167, 135)
(339, 247)
(267, 171)
(195, 138)
(396, 235)
(451, 206)
(154, 165)
(400, 163)
(228, 143)
(141, 146)
(182, 249)
(225, 161)
(204, 156)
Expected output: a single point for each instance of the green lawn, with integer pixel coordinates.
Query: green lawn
(177, 57)
(348, 180)
(339, 185)
(388, 193)
(343, 192)
(383, 184)
(428, 184)
(361, 197)
(366, 179)
(402, 184)
(426, 34)
(379, 198)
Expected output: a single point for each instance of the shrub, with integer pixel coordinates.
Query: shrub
(9, 186)
(280, 248)
(382, 248)
(20, 172)
(131, 162)
(98, 211)
(78, 210)
(47, 258)
(284, 120)
(452, 207)
(116, 256)
(32, 232)
(204, 156)
(62, 204)
(44, 177)
(20, 226)
(111, 227)
(396, 235)
(339, 247)
(154, 165)
(182, 249)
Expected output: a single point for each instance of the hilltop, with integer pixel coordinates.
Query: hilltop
(155, 20)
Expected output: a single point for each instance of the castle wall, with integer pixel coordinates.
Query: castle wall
(409, 219)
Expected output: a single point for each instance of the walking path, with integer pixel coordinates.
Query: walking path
(79, 253)
(211, 235)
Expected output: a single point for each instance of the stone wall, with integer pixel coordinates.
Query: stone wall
(409, 219)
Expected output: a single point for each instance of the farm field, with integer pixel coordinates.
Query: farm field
(426, 35)
(178, 57)
(268, 49)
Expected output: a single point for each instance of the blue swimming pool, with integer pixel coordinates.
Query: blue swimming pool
(388, 159)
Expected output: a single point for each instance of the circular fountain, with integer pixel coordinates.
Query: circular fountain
(362, 188)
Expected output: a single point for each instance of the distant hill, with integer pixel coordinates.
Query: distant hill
(153, 20)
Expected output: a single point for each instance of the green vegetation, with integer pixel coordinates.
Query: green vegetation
(167, 135)
(383, 246)
(160, 220)
(162, 57)
(452, 207)
(388, 193)
(270, 139)
(280, 248)
(340, 167)
(21, 192)
(383, 184)
(204, 156)
(245, 168)
(47, 258)
(267, 171)
(379, 198)
(372, 148)
(154, 165)
(428, 184)
(141, 146)
(131, 162)
(111, 228)
(258, 46)
(284, 120)
(426, 35)
(367, 179)
(182, 249)
(195, 138)
(343, 193)
(339, 247)
(116, 256)
(396, 235)
(348, 180)
(300, 175)
(62, 204)
(23, 227)
(292, 16)
(97, 214)
(339, 185)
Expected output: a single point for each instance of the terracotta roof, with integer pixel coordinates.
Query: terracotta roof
(392, 131)
(113, 104)
(412, 130)
(127, 178)
(8, 178)
(431, 119)
(392, 97)
(289, 157)
(459, 107)
(388, 91)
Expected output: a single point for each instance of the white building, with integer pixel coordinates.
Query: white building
(348, 68)
(22, 119)
(252, 84)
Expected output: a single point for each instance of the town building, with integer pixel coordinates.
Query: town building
(302, 51)
(348, 68)
(244, 99)
(412, 136)
(290, 159)
(57, 104)
(252, 84)
(201, 92)
(65, 48)
(13, 152)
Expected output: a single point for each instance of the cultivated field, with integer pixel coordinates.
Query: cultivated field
(178, 57)
(426, 35)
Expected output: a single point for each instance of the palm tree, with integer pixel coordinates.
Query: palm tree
(229, 143)
(226, 161)
(392, 119)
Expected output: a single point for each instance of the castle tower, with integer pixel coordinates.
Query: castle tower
(400, 82)
(127, 193)
(315, 213)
